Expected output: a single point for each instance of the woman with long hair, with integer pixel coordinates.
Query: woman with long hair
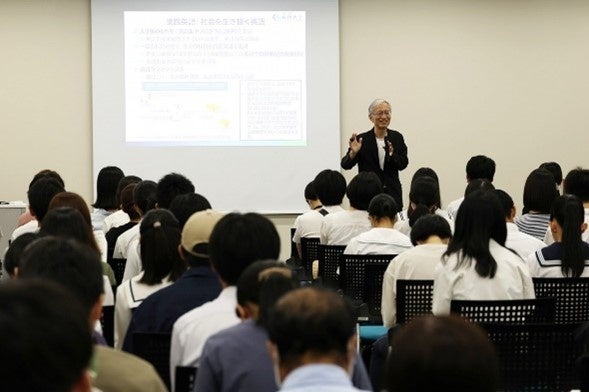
(539, 194)
(477, 266)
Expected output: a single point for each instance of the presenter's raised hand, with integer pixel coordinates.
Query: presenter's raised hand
(355, 144)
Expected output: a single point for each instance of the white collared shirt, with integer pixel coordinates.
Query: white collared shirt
(308, 225)
(379, 241)
(524, 244)
(122, 244)
(340, 227)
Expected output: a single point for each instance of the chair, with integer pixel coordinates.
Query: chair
(352, 273)
(155, 349)
(524, 311)
(107, 321)
(535, 357)
(185, 378)
(118, 266)
(309, 253)
(572, 297)
(329, 263)
(374, 274)
(293, 247)
(414, 298)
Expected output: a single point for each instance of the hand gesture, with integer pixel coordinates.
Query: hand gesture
(355, 144)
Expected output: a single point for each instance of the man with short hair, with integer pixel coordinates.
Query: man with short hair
(312, 341)
(170, 186)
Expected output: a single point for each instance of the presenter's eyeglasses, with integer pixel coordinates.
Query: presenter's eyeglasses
(382, 113)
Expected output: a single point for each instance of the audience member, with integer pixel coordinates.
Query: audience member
(442, 354)
(312, 341)
(477, 167)
(170, 186)
(568, 256)
(477, 266)
(26, 217)
(12, 258)
(340, 227)
(539, 194)
(236, 242)
(183, 206)
(133, 218)
(426, 172)
(119, 217)
(382, 238)
(106, 194)
(555, 169)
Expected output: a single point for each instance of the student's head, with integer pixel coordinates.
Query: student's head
(310, 192)
(47, 174)
(479, 184)
(427, 172)
(312, 324)
(479, 220)
(127, 203)
(507, 205)
(67, 222)
(330, 186)
(382, 207)
(73, 200)
(106, 188)
(127, 180)
(170, 186)
(480, 166)
(441, 353)
(71, 264)
(539, 192)
(45, 339)
(239, 240)
(555, 169)
(145, 196)
(429, 226)
(196, 235)
(363, 187)
(567, 223)
(577, 183)
(159, 240)
(40, 194)
(183, 206)
(13, 256)
(424, 197)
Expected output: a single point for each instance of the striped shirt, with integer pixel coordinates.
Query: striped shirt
(533, 224)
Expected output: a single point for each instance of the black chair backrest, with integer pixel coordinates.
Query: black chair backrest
(293, 247)
(523, 311)
(309, 253)
(329, 263)
(185, 378)
(118, 266)
(155, 349)
(352, 273)
(414, 298)
(374, 274)
(535, 357)
(572, 297)
(107, 321)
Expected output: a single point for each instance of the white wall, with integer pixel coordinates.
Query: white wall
(506, 79)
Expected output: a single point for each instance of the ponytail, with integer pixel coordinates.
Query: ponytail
(569, 213)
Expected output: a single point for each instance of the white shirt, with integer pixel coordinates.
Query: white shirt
(98, 216)
(417, 263)
(116, 219)
(512, 280)
(524, 244)
(547, 263)
(380, 147)
(29, 227)
(100, 239)
(548, 239)
(403, 224)
(122, 244)
(453, 207)
(133, 266)
(340, 227)
(308, 225)
(191, 331)
(378, 241)
(130, 294)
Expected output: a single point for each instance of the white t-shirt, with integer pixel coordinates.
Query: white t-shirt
(308, 225)
(378, 241)
(122, 244)
(524, 244)
(116, 219)
(453, 207)
(340, 227)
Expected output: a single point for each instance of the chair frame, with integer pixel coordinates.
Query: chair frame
(309, 253)
(414, 298)
(572, 297)
(522, 311)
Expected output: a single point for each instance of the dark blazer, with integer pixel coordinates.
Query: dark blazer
(367, 160)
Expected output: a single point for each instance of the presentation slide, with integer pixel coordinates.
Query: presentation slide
(215, 78)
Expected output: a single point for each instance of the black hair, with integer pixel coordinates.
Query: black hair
(106, 188)
(555, 169)
(159, 239)
(480, 184)
(170, 186)
(429, 225)
(67, 222)
(145, 196)
(577, 183)
(383, 206)
(505, 201)
(330, 186)
(363, 187)
(183, 206)
(40, 194)
(47, 174)
(480, 166)
(123, 183)
(14, 253)
(568, 211)
(310, 192)
(44, 335)
(239, 240)
(425, 194)
(479, 219)
(539, 192)
(71, 264)
(127, 203)
(428, 172)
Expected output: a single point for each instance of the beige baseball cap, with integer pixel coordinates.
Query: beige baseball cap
(198, 229)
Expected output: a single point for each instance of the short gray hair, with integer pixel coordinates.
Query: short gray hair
(375, 103)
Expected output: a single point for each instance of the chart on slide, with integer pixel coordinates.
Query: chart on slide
(215, 78)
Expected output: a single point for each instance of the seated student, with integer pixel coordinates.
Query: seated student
(26, 217)
(477, 266)
(45, 339)
(159, 241)
(106, 200)
(119, 217)
(76, 267)
(133, 218)
(568, 256)
(430, 236)
(312, 341)
(524, 244)
(12, 258)
(340, 227)
(382, 238)
(539, 194)
(555, 169)
(330, 188)
(477, 167)
(426, 172)
(185, 205)
(575, 183)
(198, 285)
(441, 353)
